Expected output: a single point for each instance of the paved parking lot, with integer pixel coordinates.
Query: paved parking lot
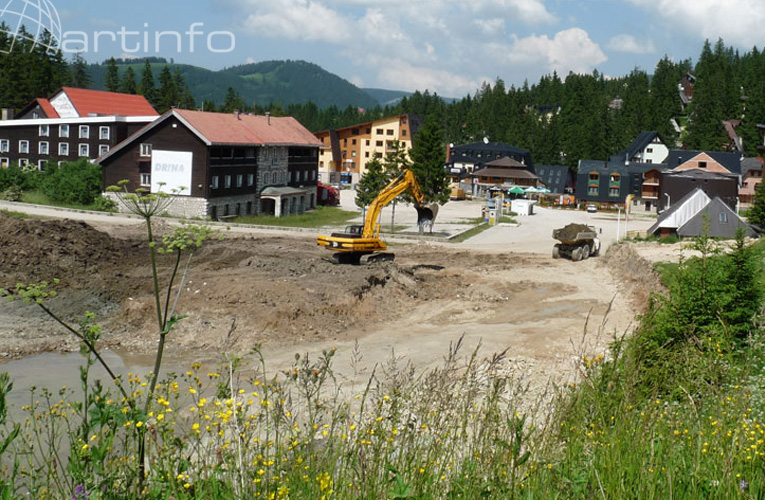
(531, 233)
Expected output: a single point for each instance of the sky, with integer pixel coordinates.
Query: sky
(448, 47)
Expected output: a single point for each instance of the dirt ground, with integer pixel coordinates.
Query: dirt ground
(281, 292)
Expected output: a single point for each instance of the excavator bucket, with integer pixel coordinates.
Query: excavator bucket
(426, 216)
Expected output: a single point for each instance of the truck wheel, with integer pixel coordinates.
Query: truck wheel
(556, 252)
(576, 254)
(585, 249)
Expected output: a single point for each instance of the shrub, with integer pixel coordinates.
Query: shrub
(73, 183)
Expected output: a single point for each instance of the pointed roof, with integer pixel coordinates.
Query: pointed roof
(245, 129)
(682, 211)
(506, 162)
(710, 164)
(731, 161)
(47, 108)
(718, 219)
(88, 102)
(230, 129)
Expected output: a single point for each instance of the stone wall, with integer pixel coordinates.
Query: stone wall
(182, 206)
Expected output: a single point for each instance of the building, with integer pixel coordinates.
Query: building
(557, 178)
(696, 213)
(71, 124)
(224, 164)
(611, 182)
(345, 152)
(462, 161)
(646, 148)
(751, 177)
(502, 174)
(709, 160)
(676, 184)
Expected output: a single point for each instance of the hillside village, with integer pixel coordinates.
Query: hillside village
(235, 164)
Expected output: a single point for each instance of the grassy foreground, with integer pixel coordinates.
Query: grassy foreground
(673, 411)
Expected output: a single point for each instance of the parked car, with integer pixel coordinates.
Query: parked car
(592, 209)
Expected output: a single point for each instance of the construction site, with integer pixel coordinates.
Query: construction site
(281, 292)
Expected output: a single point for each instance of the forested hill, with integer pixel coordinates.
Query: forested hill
(285, 82)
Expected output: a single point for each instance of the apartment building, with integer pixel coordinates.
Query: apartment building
(345, 152)
(71, 124)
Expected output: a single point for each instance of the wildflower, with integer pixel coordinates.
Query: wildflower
(743, 485)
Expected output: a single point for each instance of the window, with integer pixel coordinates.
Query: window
(594, 176)
(63, 149)
(103, 133)
(227, 181)
(615, 178)
(84, 132)
(24, 147)
(239, 180)
(649, 150)
(4, 162)
(379, 131)
(389, 131)
(44, 130)
(214, 183)
(353, 141)
(42, 148)
(366, 155)
(353, 153)
(313, 175)
(145, 149)
(702, 164)
(613, 191)
(41, 165)
(592, 190)
(84, 150)
(5, 145)
(649, 160)
(379, 144)
(403, 133)
(103, 149)
(250, 179)
(145, 179)
(367, 142)
(723, 218)
(23, 162)
(63, 130)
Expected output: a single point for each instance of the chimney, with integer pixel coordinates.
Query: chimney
(268, 117)
(6, 114)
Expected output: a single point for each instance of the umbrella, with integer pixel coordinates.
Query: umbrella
(543, 190)
(530, 189)
(516, 190)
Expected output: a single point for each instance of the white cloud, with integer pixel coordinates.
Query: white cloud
(403, 76)
(305, 20)
(629, 44)
(490, 27)
(527, 12)
(738, 22)
(568, 50)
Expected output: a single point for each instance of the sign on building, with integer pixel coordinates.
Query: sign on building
(171, 170)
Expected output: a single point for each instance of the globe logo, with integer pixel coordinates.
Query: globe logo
(36, 17)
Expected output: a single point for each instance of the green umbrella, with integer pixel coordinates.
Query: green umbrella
(516, 190)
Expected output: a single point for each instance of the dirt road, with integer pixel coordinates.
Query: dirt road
(280, 292)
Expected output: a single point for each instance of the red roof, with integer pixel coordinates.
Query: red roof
(47, 108)
(99, 102)
(230, 128)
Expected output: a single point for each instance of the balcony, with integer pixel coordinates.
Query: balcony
(649, 194)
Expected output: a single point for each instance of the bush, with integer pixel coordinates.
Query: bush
(73, 183)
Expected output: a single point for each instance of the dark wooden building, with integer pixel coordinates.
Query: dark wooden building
(71, 124)
(223, 164)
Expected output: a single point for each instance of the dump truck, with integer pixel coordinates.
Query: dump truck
(577, 242)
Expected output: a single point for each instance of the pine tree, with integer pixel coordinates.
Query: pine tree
(146, 88)
(112, 78)
(428, 155)
(128, 84)
(756, 214)
(232, 102)
(80, 76)
(167, 95)
(371, 183)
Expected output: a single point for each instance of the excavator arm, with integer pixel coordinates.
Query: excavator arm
(357, 243)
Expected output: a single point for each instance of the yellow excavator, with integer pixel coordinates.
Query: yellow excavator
(362, 243)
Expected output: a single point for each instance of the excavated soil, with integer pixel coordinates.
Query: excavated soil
(282, 293)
